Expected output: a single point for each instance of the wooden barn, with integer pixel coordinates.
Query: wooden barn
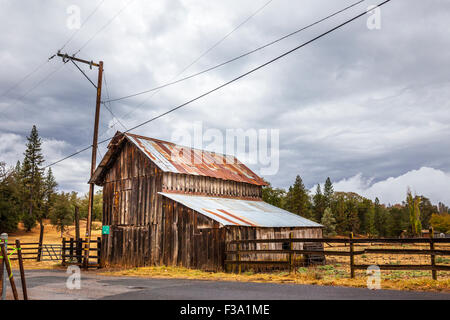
(167, 204)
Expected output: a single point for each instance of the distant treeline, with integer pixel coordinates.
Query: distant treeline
(345, 212)
(28, 194)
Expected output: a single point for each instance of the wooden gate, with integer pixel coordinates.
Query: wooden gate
(72, 252)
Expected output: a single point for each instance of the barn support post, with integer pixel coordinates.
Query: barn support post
(22, 270)
(290, 253)
(432, 256)
(352, 258)
(77, 223)
(238, 258)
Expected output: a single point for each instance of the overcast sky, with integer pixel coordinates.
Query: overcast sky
(368, 108)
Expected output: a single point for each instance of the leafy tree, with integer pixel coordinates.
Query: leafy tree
(274, 196)
(329, 223)
(97, 209)
(62, 214)
(9, 214)
(340, 214)
(32, 178)
(441, 222)
(297, 199)
(414, 213)
(426, 211)
(371, 228)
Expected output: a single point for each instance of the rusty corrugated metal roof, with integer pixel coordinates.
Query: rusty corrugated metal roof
(238, 212)
(170, 157)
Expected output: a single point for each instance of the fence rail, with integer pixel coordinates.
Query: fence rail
(350, 242)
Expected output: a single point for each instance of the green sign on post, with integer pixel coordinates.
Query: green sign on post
(105, 229)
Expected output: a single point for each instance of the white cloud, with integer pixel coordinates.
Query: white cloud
(432, 183)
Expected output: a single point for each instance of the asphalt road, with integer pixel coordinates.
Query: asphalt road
(51, 285)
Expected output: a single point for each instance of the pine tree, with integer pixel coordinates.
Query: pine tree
(353, 219)
(318, 204)
(329, 223)
(48, 200)
(380, 218)
(297, 199)
(32, 178)
(328, 192)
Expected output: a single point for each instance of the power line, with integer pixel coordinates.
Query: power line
(24, 78)
(234, 79)
(235, 58)
(106, 104)
(203, 54)
(226, 36)
(84, 22)
(47, 60)
(103, 27)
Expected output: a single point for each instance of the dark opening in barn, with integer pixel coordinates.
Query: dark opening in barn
(172, 205)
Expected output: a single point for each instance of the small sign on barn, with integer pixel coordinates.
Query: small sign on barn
(105, 229)
(171, 205)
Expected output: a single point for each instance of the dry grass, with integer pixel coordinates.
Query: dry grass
(317, 276)
(51, 236)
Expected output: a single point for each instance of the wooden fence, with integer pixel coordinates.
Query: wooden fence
(45, 252)
(237, 248)
(73, 251)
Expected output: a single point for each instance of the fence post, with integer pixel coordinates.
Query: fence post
(71, 250)
(41, 240)
(79, 250)
(99, 247)
(3, 239)
(63, 253)
(22, 270)
(290, 253)
(432, 256)
(8, 269)
(352, 258)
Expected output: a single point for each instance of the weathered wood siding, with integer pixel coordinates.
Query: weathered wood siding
(201, 185)
(149, 229)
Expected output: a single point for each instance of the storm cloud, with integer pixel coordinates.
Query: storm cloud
(356, 103)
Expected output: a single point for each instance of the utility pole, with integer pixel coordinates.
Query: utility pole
(67, 58)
